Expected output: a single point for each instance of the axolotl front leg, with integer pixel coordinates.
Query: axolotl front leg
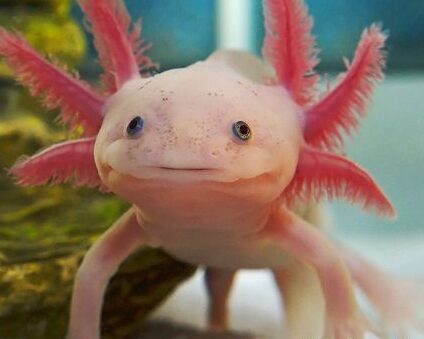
(99, 265)
(310, 246)
(328, 284)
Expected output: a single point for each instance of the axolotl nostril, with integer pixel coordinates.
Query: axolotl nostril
(223, 162)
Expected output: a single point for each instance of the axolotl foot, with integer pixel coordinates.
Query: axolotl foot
(403, 310)
(355, 327)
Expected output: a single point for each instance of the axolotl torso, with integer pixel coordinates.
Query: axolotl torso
(188, 157)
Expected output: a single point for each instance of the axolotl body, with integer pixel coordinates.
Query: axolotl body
(188, 157)
(217, 160)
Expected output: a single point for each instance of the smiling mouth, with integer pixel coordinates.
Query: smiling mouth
(171, 174)
(186, 169)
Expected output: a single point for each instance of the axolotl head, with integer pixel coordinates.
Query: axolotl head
(207, 134)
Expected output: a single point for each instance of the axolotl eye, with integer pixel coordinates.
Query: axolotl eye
(135, 127)
(242, 130)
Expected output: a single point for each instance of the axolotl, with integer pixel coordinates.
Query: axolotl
(223, 162)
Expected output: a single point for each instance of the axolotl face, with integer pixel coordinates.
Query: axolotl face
(199, 138)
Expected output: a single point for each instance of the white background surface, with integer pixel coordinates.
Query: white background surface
(255, 304)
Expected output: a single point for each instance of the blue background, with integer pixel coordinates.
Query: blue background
(183, 31)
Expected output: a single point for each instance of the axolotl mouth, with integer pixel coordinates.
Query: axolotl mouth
(186, 169)
(171, 174)
(191, 184)
(182, 170)
(186, 174)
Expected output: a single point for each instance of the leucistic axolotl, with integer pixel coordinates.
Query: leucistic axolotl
(219, 160)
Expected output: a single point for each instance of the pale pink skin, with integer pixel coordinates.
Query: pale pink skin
(231, 189)
(187, 158)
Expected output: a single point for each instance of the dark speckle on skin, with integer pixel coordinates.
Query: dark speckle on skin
(195, 142)
(165, 95)
(216, 94)
(228, 147)
(145, 85)
(167, 135)
(248, 88)
(130, 154)
(280, 141)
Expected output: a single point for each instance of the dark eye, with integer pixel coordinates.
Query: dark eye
(135, 126)
(242, 130)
